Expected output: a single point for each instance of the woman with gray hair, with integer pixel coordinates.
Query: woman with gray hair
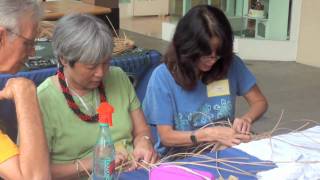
(19, 20)
(68, 100)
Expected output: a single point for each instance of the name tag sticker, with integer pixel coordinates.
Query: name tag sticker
(218, 88)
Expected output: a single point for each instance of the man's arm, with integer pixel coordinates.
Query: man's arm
(33, 160)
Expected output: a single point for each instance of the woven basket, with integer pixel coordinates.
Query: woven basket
(120, 44)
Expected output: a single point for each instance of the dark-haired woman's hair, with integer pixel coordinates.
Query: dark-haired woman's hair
(192, 39)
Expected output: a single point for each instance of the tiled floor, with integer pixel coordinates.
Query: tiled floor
(149, 26)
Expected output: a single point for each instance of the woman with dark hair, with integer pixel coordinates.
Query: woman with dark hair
(198, 83)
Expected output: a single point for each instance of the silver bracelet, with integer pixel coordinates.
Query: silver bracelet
(146, 137)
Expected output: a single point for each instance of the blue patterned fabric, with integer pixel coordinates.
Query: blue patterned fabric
(242, 162)
(167, 103)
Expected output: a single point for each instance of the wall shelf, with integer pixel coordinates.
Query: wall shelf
(274, 23)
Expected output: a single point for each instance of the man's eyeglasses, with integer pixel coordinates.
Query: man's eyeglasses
(29, 43)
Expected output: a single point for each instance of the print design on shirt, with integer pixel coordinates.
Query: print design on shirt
(206, 114)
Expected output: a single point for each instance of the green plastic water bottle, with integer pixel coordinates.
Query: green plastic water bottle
(104, 152)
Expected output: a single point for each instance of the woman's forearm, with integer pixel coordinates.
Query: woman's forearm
(71, 170)
(140, 127)
(173, 138)
(256, 110)
(64, 171)
(257, 104)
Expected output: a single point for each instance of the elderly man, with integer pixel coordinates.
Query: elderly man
(18, 24)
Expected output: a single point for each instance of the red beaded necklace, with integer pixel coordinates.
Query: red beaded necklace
(72, 105)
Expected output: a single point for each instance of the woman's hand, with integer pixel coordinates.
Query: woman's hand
(225, 135)
(143, 152)
(242, 125)
(121, 158)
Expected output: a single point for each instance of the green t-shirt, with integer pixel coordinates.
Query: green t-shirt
(70, 138)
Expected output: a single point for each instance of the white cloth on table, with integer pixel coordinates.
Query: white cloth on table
(286, 149)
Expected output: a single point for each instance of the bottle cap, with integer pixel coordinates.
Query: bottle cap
(105, 111)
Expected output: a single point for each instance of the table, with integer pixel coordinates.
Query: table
(56, 9)
(294, 155)
(297, 154)
(229, 153)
